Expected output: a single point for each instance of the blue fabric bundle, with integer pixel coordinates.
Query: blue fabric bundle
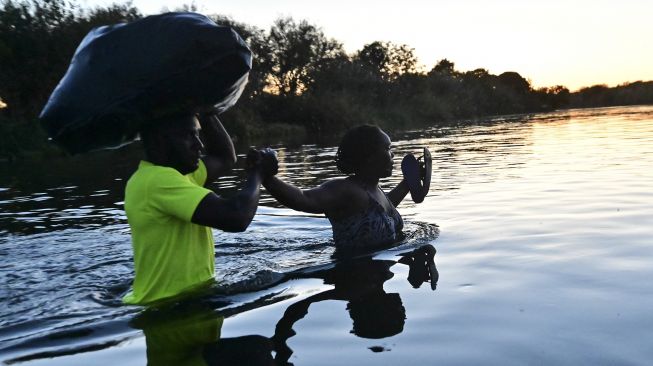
(124, 76)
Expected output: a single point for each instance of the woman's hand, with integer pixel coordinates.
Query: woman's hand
(264, 160)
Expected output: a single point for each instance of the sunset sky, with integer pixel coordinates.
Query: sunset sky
(570, 42)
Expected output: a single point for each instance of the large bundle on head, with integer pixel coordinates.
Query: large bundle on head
(124, 75)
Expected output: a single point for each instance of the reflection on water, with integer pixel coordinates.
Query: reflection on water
(189, 333)
(375, 313)
(192, 337)
(544, 239)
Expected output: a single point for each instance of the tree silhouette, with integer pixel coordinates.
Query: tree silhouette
(297, 51)
(444, 66)
(387, 60)
(257, 40)
(37, 41)
(515, 82)
(299, 77)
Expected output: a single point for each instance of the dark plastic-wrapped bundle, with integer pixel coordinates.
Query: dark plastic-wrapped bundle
(123, 76)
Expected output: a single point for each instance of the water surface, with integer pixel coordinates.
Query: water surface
(544, 254)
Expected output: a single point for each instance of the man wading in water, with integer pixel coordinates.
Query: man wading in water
(171, 212)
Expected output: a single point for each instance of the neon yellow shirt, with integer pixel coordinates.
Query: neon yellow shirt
(171, 254)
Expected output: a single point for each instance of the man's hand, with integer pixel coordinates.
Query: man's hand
(265, 160)
(269, 162)
(253, 160)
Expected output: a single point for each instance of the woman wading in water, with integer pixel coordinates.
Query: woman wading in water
(362, 216)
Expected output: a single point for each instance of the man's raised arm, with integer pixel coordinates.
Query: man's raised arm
(220, 155)
(236, 213)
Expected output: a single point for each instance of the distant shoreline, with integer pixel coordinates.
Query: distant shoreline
(284, 134)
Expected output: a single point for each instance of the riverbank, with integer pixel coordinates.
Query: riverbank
(28, 142)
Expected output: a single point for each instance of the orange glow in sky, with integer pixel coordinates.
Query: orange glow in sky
(570, 42)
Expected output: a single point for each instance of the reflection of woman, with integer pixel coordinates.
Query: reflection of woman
(375, 313)
(361, 214)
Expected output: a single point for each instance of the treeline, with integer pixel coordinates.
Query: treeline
(37, 41)
(301, 79)
(639, 92)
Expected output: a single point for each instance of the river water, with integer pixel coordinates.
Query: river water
(543, 226)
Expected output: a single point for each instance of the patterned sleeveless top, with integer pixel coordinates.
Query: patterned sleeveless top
(371, 228)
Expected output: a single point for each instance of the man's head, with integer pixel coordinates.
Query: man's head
(173, 141)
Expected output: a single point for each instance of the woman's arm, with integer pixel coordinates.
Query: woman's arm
(334, 198)
(314, 200)
(397, 194)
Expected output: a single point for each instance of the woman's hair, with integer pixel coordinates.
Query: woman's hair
(355, 147)
(377, 315)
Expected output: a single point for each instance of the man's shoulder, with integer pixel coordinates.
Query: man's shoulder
(164, 190)
(147, 171)
(147, 178)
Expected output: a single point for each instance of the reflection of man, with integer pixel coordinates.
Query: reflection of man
(179, 339)
(192, 337)
(170, 211)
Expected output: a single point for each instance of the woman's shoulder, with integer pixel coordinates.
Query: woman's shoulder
(337, 183)
(346, 197)
(343, 187)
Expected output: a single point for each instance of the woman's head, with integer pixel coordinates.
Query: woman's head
(365, 149)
